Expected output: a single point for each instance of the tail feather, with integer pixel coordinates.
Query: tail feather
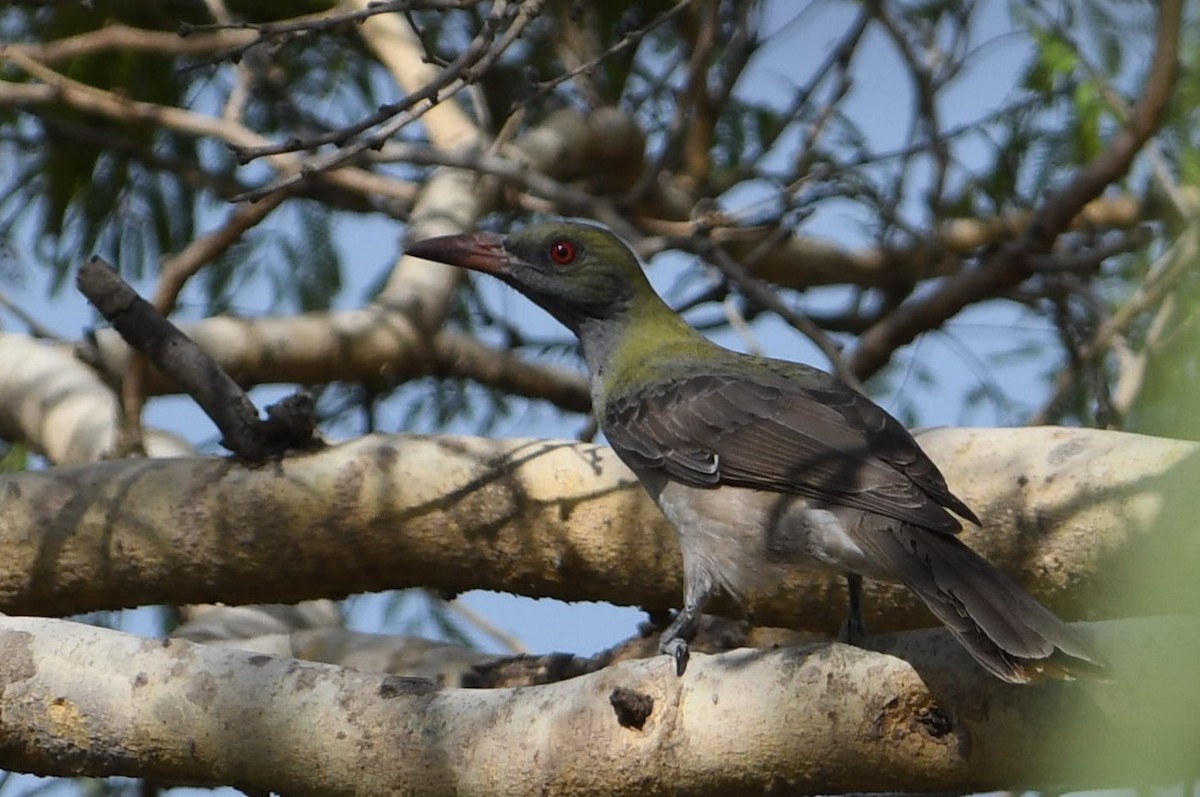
(1008, 632)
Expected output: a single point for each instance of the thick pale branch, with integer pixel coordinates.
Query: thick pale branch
(1065, 509)
(371, 345)
(51, 400)
(131, 39)
(821, 719)
(397, 46)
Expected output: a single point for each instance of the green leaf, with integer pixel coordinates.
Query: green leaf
(14, 457)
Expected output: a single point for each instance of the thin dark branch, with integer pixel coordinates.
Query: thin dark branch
(630, 39)
(174, 273)
(268, 31)
(1153, 291)
(1008, 264)
(36, 328)
(479, 56)
(1088, 260)
(1147, 116)
(758, 291)
(179, 358)
(430, 93)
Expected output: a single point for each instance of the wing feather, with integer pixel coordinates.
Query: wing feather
(800, 433)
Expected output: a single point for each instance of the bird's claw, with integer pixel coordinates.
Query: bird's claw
(853, 631)
(677, 649)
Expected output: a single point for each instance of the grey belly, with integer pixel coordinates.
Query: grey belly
(749, 539)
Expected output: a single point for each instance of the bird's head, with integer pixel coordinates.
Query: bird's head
(578, 272)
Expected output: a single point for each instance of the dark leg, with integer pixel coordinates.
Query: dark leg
(854, 630)
(674, 641)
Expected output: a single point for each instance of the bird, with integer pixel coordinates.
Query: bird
(764, 465)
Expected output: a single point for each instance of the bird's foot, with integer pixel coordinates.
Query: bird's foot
(677, 649)
(698, 587)
(854, 629)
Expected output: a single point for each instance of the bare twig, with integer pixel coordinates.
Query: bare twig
(1087, 261)
(124, 37)
(803, 261)
(630, 39)
(758, 292)
(36, 328)
(1162, 279)
(312, 25)
(570, 200)
(178, 269)
(173, 274)
(927, 79)
(1008, 265)
(56, 87)
(477, 58)
(290, 425)
(511, 642)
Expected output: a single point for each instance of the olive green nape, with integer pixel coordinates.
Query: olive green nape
(647, 335)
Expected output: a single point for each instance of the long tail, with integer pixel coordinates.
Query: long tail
(997, 621)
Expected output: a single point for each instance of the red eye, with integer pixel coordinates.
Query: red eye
(562, 252)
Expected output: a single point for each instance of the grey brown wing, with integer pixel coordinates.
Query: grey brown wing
(711, 430)
(892, 443)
